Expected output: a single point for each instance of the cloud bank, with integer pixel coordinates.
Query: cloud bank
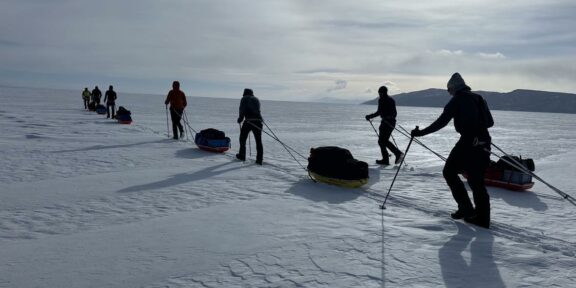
(287, 47)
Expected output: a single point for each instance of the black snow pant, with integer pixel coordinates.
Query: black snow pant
(110, 109)
(86, 102)
(386, 129)
(465, 157)
(176, 115)
(256, 127)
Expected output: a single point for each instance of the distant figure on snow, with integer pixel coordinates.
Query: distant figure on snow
(96, 95)
(250, 114)
(110, 99)
(86, 97)
(472, 118)
(386, 111)
(177, 101)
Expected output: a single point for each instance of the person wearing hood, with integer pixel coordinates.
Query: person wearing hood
(96, 95)
(110, 99)
(177, 100)
(86, 97)
(250, 114)
(386, 111)
(471, 154)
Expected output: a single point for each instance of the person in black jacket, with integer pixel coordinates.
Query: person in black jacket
(96, 95)
(386, 111)
(471, 154)
(110, 99)
(250, 114)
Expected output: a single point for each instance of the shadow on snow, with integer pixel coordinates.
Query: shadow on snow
(103, 147)
(183, 178)
(457, 272)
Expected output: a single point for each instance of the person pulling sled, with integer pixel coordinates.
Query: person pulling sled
(386, 111)
(96, 95)
(86, 97)
(177, 100)
(110, 99)
(250, 114)
(472, 118)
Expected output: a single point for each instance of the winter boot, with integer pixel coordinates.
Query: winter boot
(478, 220)
(399, 158)
(383, 162)
(461, 214)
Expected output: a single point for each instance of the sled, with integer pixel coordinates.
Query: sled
(336, 166)
(502, 175)
(212, 140)
(101, 109)
(124, 121)
(509, 185)
(123, 116)
(338, 182)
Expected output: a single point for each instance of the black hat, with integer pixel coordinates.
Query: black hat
(456, 83)
(248, 91)
(383, 90)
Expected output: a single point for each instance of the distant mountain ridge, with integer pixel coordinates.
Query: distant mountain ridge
(517, 100)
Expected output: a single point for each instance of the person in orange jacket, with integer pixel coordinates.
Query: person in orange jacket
(177, 101)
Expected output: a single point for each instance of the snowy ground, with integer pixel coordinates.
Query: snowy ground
(86, 202)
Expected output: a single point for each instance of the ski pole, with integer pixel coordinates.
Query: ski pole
(240, 128)
(393, 140)
(395, 175)
(375, 131)
(249, 143)
(185, 118)
(407, 134)
(186, 121)
(167, 124)
(389, 125)
(377, 134)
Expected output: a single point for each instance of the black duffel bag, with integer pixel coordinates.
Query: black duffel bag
(336, 162)
(213, 134)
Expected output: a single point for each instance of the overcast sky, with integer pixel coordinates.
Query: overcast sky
(288, 49)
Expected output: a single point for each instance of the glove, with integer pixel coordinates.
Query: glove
(367, 117)
(416, 132)
(239, 120)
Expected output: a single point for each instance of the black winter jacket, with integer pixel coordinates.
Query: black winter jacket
(466, 109)
(249, 108)
(110, 97)
(386, 109)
